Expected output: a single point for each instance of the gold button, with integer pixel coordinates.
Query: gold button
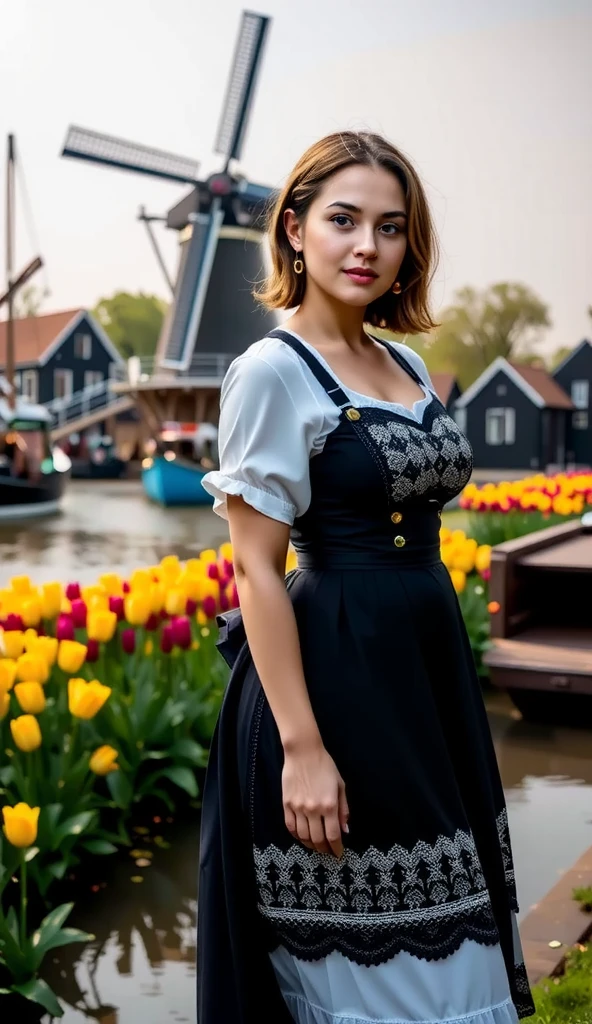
(399, 542)
(397, 517)
(352, 414)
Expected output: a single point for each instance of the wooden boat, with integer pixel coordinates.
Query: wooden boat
(95, 458)
(33, 475)
(174, 481)
(541, 650)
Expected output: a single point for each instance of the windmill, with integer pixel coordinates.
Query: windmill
(219, 222)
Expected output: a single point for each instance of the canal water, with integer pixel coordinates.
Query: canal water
(141, 966)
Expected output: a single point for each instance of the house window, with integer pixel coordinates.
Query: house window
(92, 377)
(62, 383)
(82, 346)
(580, 419)
(29, 385)
(16, 380)
(580, 393)
(460, 416)
(501, 389)
(500, 426)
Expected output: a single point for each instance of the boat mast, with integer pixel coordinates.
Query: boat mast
(9, 368)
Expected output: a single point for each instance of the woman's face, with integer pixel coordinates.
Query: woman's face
(353, 239)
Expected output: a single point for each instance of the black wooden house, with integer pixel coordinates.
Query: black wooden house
(574, 375)
(517, 417)
(59, 354)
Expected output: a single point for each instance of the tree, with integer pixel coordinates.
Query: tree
(504, 320)
(28, 301)
(133, 322)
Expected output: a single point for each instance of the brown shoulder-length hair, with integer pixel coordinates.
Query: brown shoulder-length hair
(406, 313)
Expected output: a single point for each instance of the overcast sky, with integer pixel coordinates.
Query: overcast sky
(493, 102)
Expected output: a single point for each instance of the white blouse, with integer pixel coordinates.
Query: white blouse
(274, 417)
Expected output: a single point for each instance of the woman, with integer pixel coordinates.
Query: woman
(356, 862)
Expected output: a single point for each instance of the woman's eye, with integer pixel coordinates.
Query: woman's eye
(341, 219)
(390, 229)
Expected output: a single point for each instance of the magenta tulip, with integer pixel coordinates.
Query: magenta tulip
(209, 606)
(92, 651)
(116, 605)
(224, 602)
(152, 622)
(234, 601)
(73, 591)
(191, 606)
(181, 631)
(166, 639)
(213, 571)
(65, 628)
(126, 587)
(79, 614)
(128, 640)
(13, 622)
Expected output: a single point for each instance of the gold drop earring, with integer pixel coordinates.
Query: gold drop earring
(396, 289)
(298, 265)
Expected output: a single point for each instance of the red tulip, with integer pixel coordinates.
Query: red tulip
(116, 605)
(213, 571)
(486, 574)
(126, 587)
(166, 639)
(209, 606)
(92, 651)
(13, 622)
(234, 600)
(224, 602)
(152, 622)
(73, 591)
(128, 640)
(181, 632)
(79, 614)
(191, 606)
(65, 628)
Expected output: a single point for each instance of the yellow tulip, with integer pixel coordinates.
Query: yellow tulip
(140, 579)
(447, 555)
(148, 647)
(291, 560)
(138, 608)
(7, 674)
(103, 760)
(26, 733)
(51, 599)
(226, 551)
(29, 638)
(32, 667)
(98, 603)
(4, 704)
(31, 610)
(209, 555)
(483, 558)
(20, 825)
(85, 700)
(112, 583)
(71, 656)
(195, 567)
(89, 593)
(30, 697)
(201, 617)
(21, 585)
(12, 642)
(157, 594)
(459, 580)
(445, 534)
(101, 625)
(46, 647)
(175, 602)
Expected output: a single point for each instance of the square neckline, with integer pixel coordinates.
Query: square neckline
(380, 403)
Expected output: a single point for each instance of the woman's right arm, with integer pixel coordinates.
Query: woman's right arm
(315, 805)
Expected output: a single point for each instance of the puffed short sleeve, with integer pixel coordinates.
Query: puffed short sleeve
(265, 441)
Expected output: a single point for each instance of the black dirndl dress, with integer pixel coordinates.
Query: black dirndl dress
(427, 866)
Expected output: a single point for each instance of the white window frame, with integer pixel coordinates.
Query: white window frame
(30, 385)
(580, 393)
(68, 377)
(500, 426)
(16, 381)
(86, 345)
(97, 375)
(579, 420)
(460, 415)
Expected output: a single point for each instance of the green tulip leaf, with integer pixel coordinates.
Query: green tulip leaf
(182, 777)
(73, 826)
(38, 991)
(100, 847)
(63, 937)
(164, 796)
(7, 775)
(12, 923)
(50, 926)
(121, 789)
(58, 868)
(31, 854)
(188, 750)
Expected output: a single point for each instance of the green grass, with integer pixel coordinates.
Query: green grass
(568, 999)
(455, 519)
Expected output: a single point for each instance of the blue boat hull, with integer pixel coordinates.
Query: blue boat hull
(175, 483)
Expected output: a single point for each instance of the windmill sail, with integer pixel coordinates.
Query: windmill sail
(239, 94)
(83, 144)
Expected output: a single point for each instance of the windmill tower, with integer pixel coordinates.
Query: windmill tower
(213, 315)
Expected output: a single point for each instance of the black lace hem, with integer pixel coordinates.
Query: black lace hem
(521, 994)
(370, 943)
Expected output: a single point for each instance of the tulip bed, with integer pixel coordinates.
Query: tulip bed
(514, 509)
(108, 698)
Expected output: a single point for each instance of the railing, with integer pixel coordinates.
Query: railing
(205, 365)
(81, 403)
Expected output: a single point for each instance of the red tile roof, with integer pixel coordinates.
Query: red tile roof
(550, 391)
(34, 334)
(443, 385)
